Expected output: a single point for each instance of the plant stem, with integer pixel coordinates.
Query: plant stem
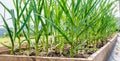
(36, 49)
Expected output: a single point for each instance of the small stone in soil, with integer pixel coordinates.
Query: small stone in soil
(32, 53)
(54, 54)
(90, 52)
(42, 53)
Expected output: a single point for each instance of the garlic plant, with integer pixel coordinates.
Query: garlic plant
(76, 23)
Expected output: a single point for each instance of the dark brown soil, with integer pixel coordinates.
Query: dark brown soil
(65, 53)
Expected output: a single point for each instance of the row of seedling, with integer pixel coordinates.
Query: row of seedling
(77, 24)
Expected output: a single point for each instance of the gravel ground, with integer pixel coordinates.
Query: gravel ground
(115, 54)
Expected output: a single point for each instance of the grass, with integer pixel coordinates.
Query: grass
(5, 40)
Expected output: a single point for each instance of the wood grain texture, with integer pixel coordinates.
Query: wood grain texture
(25, 58)
(103, 53)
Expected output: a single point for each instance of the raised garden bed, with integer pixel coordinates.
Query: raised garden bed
(59, 30)
(100, 55)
